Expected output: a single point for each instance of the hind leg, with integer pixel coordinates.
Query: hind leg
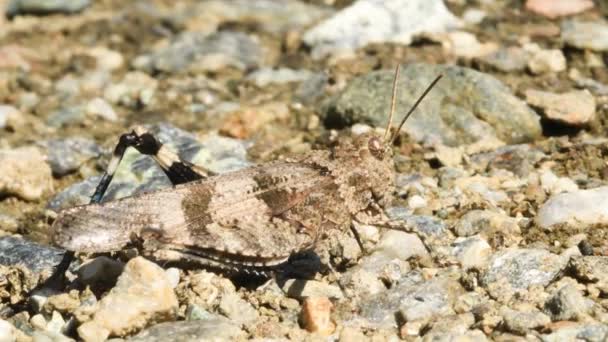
(179, 171)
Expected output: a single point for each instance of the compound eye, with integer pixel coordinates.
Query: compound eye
(375, 147)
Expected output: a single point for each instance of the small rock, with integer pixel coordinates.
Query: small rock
(100, 269)
(391, 245)
(105, 58)
(8, 223)
(581, 207)
(136, 89)
(514, 269)
(369, 21)
(100, 108)
(236, 309)
(521, 322)
(568, 304)
(142, 294)
(465, 44)
(590, 269)
(547, 61)
(38, 259)
(66, 116)
(10, 117)
(555, 185)
(572, 332)
(77, 194)
(575, 108)
(507, 59)
(265, 76)
(472, 252)
(7, 332)
(198, 52)
(301, 288)
(42, 7)
(558, 8)
(490, 225)
(413, 298)
(68, 155)
(592, 35)
(173, 274)
(218, 329)
(496, 112)
(24, 173)
(316, 316)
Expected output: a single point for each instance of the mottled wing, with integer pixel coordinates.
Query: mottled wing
(234, 215)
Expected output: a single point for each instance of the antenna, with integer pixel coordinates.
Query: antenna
(393, 101)
(396, 134)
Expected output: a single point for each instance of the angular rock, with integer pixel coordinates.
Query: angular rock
(575, 108)
(67, 155)
(514, 269)
(547, 61)
(369, 21)
(24, 173)
(199, 52)
(202, 330)
(592, 35)
(485, 108)
(558, 8)
(507, 59)
(98, 107)
(581, 207)
(237, 309)
(142, 294)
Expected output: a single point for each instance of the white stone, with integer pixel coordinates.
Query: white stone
(472, 252)
(547, 61)
(7, 333)
(582, 206)
(556, 185)
(25, 173)
(416, 202)
(101, 108)
(378, 21)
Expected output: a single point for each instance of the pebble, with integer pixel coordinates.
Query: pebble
(391, 245)
(592, 269)
(217, 329)
(581, 207)
(98, 107)
(42, 7)
(7, 332)
(10, 117)
(65, 116)
(24, 173)
(413, 299)
(198, 52)
(99, 270)
(8, 223)
(507, 59)
(574, 108)
(269, 15)
(582, 331)
(465, 44)
(105, 58)
(547, 61)
(396, 21)
(517, 269)
(237, 309)
(485, 222)
(472, 252)
(301, 288)
(592, 35)
(568, 304)
(34, 257)
(316, 316)
(497, 112)
(558, 8)
(266, 76)
(76, 194)
(68, 155)
(136, 89)
(554, 185)
(142, 294)
(521, 322)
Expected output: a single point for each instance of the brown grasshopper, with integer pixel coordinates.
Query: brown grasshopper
(250, 220)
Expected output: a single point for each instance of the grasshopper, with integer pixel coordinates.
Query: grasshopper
(250, 220)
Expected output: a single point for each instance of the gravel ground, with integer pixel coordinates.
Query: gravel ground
(501, 174)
